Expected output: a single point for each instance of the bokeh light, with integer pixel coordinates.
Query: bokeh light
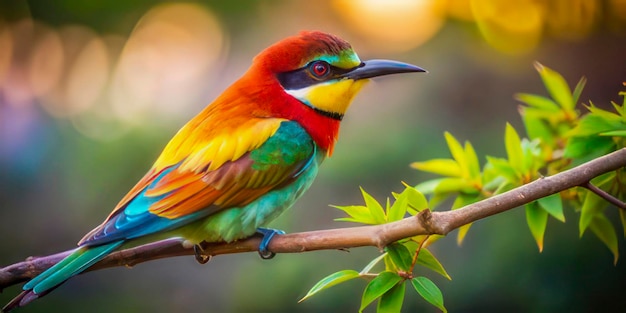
(6, 51)
(166, 61)
(46, 63)
(572, 19)
(106, 83)
(16, 87)
(84, 71)
(511, 27)
(396, 25)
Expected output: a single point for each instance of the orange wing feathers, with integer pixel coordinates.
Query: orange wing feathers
(199, 180)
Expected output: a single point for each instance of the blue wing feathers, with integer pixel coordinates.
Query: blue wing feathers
(135, 220)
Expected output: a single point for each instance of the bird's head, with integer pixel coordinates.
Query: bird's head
(322, 71)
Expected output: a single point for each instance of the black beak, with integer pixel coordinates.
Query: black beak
(374, 68)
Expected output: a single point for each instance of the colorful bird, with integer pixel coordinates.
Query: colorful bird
(239, 163)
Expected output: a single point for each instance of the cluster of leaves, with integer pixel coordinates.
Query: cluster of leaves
(399, 258)
(559, 137)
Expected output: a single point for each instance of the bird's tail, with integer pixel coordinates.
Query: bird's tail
(73, 264)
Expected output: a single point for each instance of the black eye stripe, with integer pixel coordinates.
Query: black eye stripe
(302, 77)
(296, 79)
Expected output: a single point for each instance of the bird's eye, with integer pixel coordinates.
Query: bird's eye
(319, 69)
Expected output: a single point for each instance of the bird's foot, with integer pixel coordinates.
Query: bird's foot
(201, 256)
(268, 234)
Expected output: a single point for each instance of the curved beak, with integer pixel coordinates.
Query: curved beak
(374, 68)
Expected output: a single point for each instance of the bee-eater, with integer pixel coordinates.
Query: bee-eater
(239, 163)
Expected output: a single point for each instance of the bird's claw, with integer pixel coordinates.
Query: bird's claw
(201, 255)
(268, 234)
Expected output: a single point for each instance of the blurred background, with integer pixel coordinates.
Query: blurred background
(91, 91)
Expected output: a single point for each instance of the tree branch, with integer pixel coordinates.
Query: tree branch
(425, 223)
(604, 195)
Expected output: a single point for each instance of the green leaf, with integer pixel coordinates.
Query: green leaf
(504, 187)
(463, 230)
(331, 280)
(465, 199)
(428, 260)
(602, 227)
(622, 218)
(438, 198)
(504, 169)
(391, 301)
(429, 186)
(444, 167)
(599, 121)
(537, 128)
(536, 101)
(556, 86)
(553, 205)
(397, 211)
(552, 118)
(372, 263)
(592, 206)
(514, 151)
(473, 165)
(375, 209)
(416, 201)
(610, 117)
(458, 153)
(357, 213)
(461, 201)
(537, 220)
(349, 219)
(532, 156)
(390, 266)
(400, 256)
(429, 291)
(378, 286)
(494, 183)
(578, 147)
(454, 185)
(578, 90)
(621, 110)
(615, 133)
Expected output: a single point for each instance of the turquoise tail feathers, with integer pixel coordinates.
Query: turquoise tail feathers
(73, 264)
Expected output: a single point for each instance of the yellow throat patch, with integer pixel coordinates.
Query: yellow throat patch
(333, 96)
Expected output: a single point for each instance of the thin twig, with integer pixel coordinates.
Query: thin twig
(604, 195)
(417, 252)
